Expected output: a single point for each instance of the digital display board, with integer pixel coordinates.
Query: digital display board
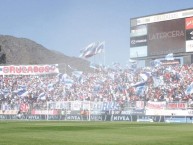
(161, 34)
(166, 37)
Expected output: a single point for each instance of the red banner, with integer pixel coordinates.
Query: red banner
(44, 112)
(156, 105)
(176, 105)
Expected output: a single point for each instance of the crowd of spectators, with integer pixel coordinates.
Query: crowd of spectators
(162, 83)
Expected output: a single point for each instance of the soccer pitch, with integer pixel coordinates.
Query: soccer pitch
(94, 133)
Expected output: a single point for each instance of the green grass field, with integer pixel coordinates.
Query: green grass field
(94, 133)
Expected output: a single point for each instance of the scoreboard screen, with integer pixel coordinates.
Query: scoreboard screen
(161, 34)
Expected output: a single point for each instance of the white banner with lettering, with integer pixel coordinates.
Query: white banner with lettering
(169, 112)
(28, 69)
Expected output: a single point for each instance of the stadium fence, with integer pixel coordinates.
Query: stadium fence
(140, 111)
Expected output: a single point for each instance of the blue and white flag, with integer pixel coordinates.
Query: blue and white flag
(5, 92)
(144, 76)
(26, 93)
(97, 88)
(42, 96)
(140, 90)
(50, 87)
(62, 77)
(90, 50)
(94, 66)
(158, 81)
(77, 74)
(132, 61)
(142, 83)
(189, 89)
(169, 56)
(100, 48)
(90, 46)
(156, 63)
(116, 65)
(68, 82)
(21, 91)
(133, 66)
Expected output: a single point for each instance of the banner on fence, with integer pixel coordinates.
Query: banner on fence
(24, 107)
(44, 112)
(121, 118)
(176, 105)
(85, 105)
(28, 69)
(134, 112)
(8, 112)
(140, 104)
(153, 112)
(155, 105)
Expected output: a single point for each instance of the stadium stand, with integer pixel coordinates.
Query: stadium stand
(121, 91)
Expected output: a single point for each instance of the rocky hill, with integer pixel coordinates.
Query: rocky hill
(24, 51)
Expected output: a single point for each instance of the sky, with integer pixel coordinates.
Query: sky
(68, 26)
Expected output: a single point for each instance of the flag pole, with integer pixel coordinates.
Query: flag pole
(104, 57)
(137, 58)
